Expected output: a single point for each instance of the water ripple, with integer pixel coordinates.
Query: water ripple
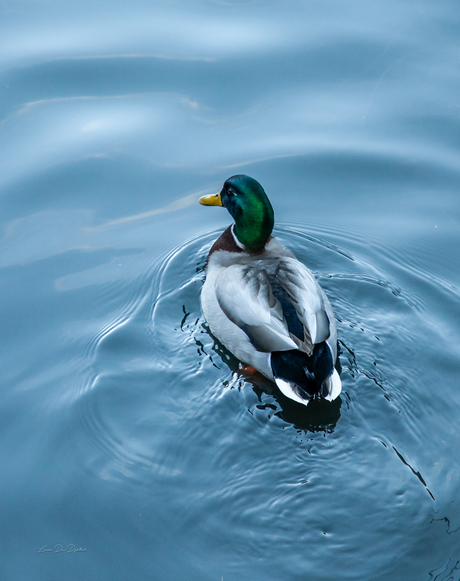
(168, 407)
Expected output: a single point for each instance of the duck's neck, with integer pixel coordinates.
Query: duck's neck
(235, 238)
(253, 231)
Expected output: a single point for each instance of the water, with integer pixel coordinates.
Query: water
(124, 430)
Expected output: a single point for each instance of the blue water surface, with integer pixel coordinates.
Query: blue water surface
(131, 446)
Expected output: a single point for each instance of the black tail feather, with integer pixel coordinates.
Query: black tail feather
(307, 372)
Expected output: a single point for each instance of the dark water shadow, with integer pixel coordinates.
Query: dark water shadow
(319, 415)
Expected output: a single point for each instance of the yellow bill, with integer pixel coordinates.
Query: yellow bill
(211, 200)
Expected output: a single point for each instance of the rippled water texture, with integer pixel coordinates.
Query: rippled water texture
(132, 447)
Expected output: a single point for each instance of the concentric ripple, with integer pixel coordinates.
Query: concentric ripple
(169, 410)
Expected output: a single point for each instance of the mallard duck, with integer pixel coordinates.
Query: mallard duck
(263, 304)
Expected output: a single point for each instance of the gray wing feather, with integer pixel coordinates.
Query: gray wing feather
(245, 296)
(307, 298)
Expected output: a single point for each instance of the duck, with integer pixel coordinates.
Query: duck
(264, 305)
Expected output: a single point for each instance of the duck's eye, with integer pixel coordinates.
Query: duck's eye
(231, 192)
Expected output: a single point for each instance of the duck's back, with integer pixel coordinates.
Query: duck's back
(258, 304)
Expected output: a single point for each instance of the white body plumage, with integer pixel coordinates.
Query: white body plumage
(243, 312)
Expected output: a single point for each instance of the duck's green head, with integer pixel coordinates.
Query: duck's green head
(249, 206)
